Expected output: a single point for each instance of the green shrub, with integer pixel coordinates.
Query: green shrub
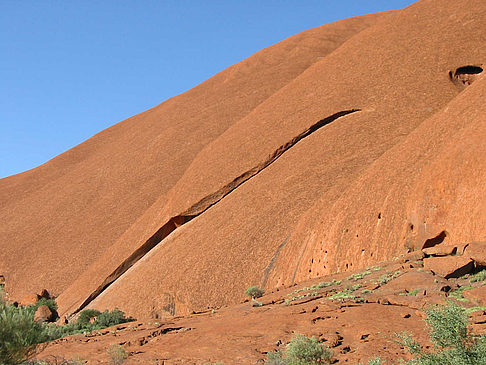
(458, 294)
(376, 361)
(303, 350)
(386, 278)
(19, 334)
(117, 354)
(275, 358)
(108, 319)
(86, 315)
(480, 276)
(83, 325)
(254, 292)
(358, 276)
(453, 341)
(51, 303)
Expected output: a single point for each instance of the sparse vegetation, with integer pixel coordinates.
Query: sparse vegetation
(297, 297)
(254, 292)
(475, 309)
(375, 361)
(358, 276)
(301, 350)
(480, 276)
(117, 354)
(374, 268)
(51, 303)
(317, 286)
(342, 295)
(256, 303)
(347, 294)
(418, 263)
(385, 278)
(458, 294)
(411, 293)
(453, 341)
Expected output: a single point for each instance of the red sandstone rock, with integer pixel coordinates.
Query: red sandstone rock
(440, 250)
(44, 294)
(477, 252)
(43, 314)
(30, 299)
(449, 266)
(383, 152)
(477, 295)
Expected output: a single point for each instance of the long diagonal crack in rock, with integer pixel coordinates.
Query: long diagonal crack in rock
(203, 205)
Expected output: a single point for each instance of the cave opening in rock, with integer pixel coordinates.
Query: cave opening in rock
(470, 70)
(465, 75)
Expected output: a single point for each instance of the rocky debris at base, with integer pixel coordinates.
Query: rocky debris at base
(356, 314)
(449, 266)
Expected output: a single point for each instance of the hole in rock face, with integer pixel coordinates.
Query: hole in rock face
(434, 241)
(465, 75)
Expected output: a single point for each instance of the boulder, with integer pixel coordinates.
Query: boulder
(449, 266)
(444, 250)
(476, 251)
(477, 295)
(44, 294)
(29, 299)
(44, 314)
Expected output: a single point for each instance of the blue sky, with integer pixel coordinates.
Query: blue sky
(71, 68)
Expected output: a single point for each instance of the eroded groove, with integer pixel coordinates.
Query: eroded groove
(203, 205)
(269, 267)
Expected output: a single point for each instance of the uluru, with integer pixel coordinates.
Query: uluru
(353, 145)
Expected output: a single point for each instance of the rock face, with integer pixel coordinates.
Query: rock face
(344, 145)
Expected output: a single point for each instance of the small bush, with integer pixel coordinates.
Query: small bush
(458, 294)
(19, 334)
(303, 350)
(108, 319)
(254, 292)
(51, 303)
(386, 278)
(358, 276)
(480, 276)
(117, 354)
(453, 341)
(275, 358)
(376, 361)
(86, 315)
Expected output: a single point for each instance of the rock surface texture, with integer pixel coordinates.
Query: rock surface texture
(344, 145)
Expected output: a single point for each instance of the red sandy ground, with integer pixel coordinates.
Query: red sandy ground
(356, 329)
